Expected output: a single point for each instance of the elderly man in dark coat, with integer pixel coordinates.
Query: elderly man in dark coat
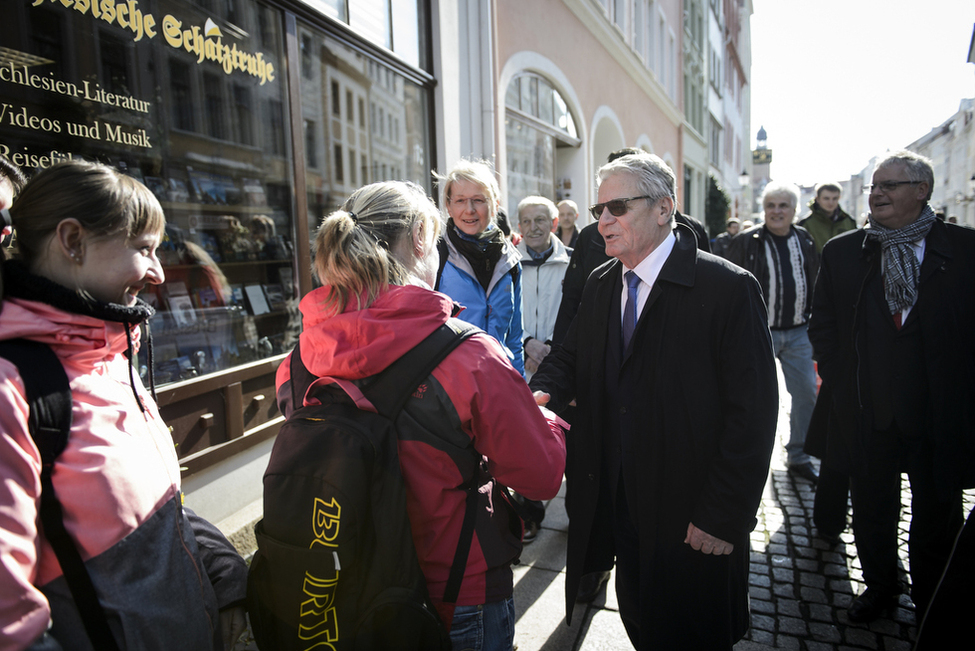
(892, 332)
(674, 429)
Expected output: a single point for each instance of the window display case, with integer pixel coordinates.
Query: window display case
(249, 120)
(191, 99)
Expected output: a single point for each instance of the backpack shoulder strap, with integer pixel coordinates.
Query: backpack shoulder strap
(389, 393)
(49, 397)
(390, 390)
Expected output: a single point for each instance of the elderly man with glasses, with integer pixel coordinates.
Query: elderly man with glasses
(783, 258)
(670, 362)
(892, 332)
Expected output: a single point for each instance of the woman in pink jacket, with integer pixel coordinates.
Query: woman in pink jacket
(377, 258)
(165, 579)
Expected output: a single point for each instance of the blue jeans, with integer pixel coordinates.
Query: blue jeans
(794, 351)
(490, 627)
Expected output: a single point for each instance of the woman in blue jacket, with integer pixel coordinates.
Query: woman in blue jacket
(482, 271)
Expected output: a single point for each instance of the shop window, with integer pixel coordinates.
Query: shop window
(137, 97)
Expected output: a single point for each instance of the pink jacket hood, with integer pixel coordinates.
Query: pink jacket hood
(80, 341)
(360, 343)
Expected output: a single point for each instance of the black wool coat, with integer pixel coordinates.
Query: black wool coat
(850, 315)
(701, 403)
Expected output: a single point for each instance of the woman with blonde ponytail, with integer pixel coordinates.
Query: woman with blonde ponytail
(377, 259)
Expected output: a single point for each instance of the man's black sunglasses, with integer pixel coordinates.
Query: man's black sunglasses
(617, 207)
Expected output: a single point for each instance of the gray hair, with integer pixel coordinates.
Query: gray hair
(531, 202)
(779, 189)
(919, 168)
(654, 177)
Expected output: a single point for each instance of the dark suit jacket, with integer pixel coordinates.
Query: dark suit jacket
(851, 329)
(705, 398)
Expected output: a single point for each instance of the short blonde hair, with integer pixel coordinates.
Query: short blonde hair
(479, 172)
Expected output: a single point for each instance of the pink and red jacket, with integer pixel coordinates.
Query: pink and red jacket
(481, 392)
(118, 482)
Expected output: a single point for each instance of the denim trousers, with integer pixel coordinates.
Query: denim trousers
(794, 352)
(489, 627)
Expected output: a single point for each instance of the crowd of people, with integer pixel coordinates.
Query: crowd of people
(635, 357)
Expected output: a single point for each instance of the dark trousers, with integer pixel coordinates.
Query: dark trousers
(935, 517)
(829, 508)
(627, 566)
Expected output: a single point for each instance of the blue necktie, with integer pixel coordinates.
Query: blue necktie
(629, 312)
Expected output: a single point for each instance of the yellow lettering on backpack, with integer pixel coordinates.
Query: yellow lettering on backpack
(325, 522)
(317, 618)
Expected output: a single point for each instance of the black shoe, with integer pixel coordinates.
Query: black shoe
(870, 605)
(590, 585)
(531, 532)
(831, 539)
(806, 471)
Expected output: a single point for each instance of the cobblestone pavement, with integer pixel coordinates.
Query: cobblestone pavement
(800, 586)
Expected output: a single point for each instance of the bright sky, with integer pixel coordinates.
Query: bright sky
(835, 82)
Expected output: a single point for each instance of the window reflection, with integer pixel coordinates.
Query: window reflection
(208, 139)
(374, 124)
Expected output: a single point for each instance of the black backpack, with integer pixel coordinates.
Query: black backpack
(49, 397)
(336, 562)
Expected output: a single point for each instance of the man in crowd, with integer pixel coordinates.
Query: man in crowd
(589, 252)
(891, 327)
(783, 258)
(827, 219)
(566, 230)
(723, 240)
(673, 373)
(544, 260)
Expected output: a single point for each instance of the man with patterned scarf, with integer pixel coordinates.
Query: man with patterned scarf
(782, 256)
(892, 321)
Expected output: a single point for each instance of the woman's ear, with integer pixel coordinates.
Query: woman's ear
(70, 239)
(419, 238)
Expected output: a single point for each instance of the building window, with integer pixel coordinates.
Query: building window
(336, 99)
(339, 168)
(214, 106)
(307, 56)
(537, 123)
(243, 116)
(714, 144)
(181, 93)
(311, 144)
